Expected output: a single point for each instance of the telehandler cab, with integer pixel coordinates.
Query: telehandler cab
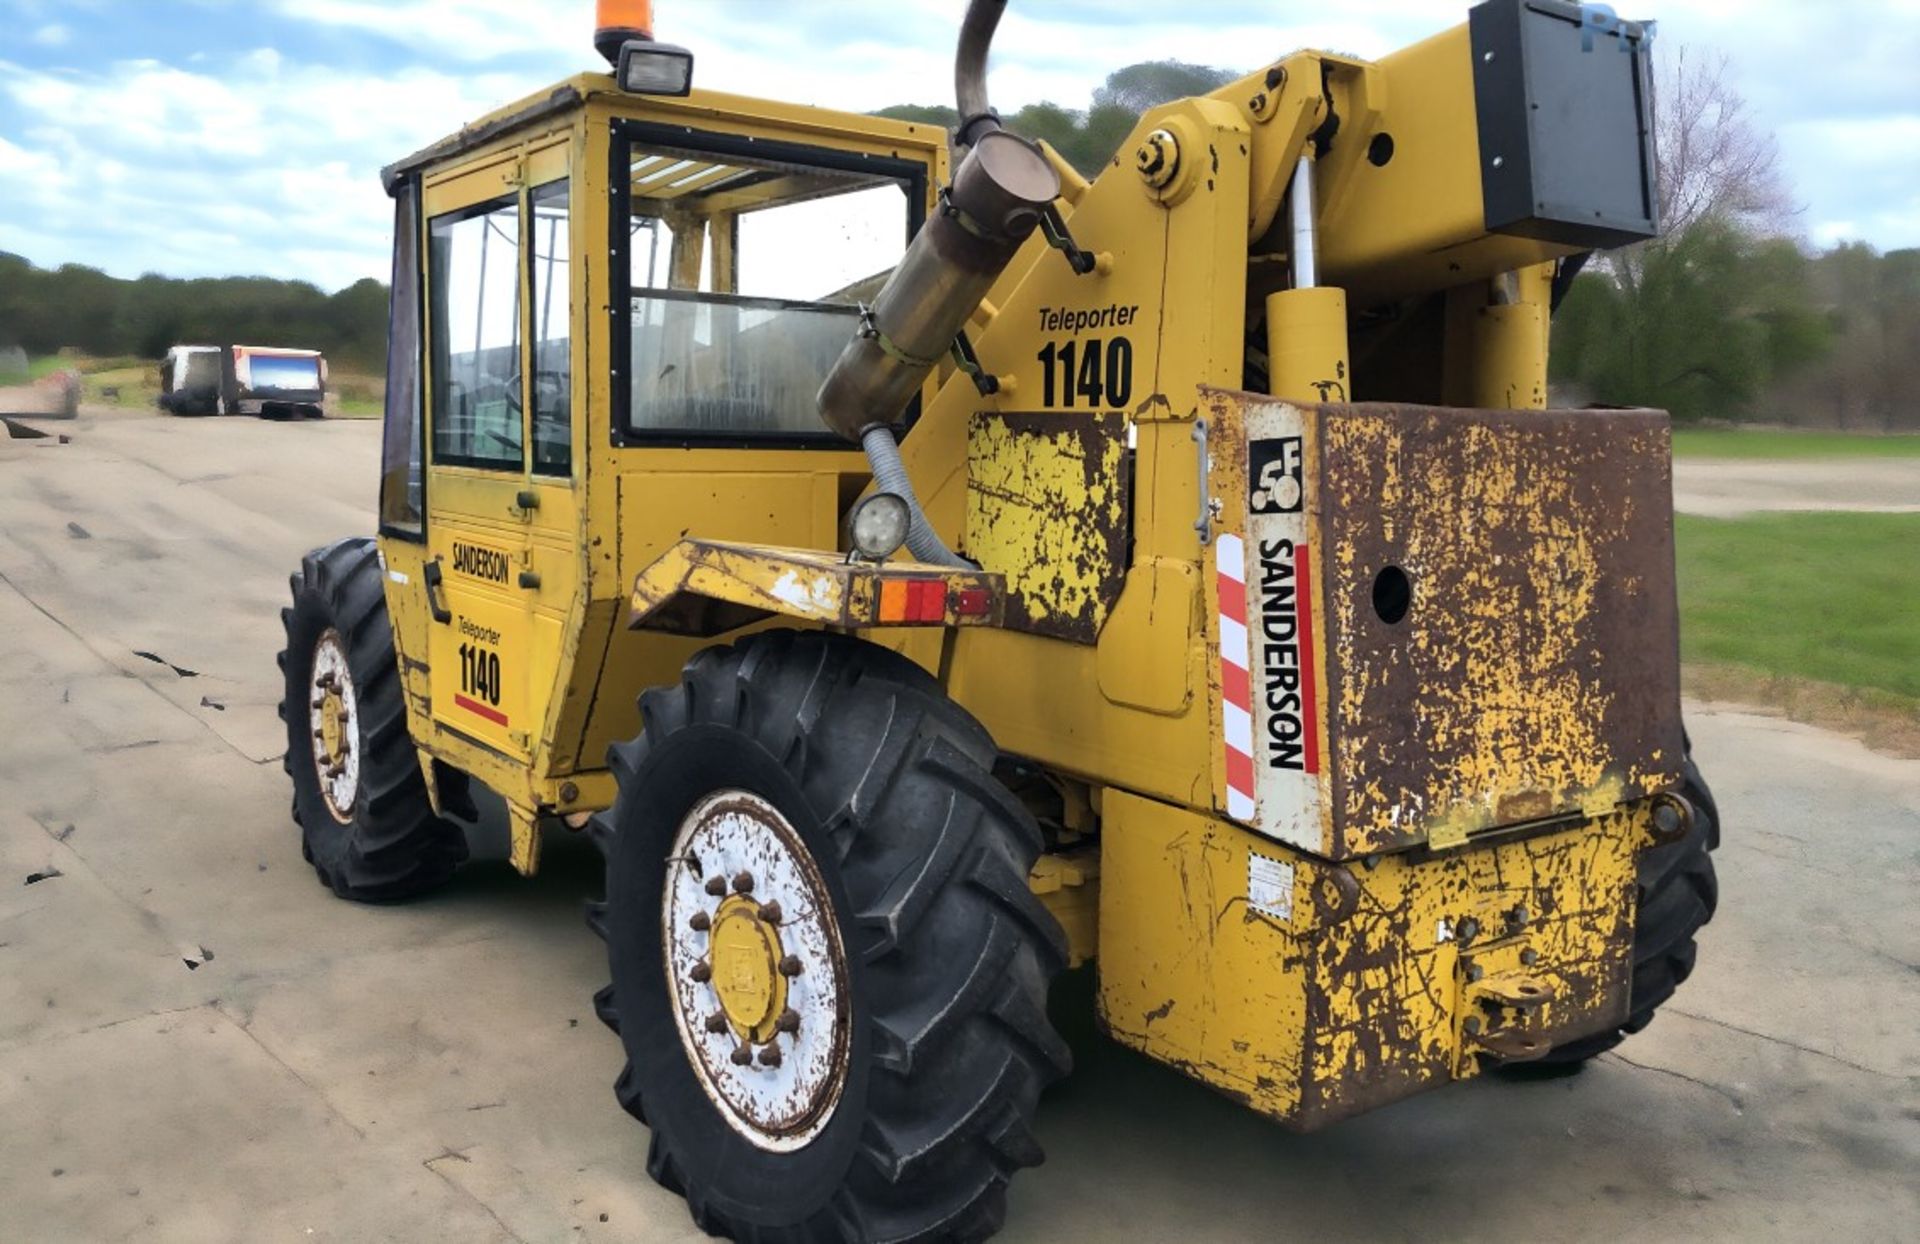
(1261, 638)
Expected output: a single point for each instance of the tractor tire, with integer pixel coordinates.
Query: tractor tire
(1676, 897)
(835, 779)
(358, 795)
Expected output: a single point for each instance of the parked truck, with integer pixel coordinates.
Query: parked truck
(268, 381)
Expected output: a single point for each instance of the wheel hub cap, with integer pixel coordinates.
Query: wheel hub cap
(333, 714)
(745, 957)
(756, 973)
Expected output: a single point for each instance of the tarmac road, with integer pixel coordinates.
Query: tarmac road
(198, 1044)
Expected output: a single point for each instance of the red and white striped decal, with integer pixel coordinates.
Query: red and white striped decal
(1236, 681)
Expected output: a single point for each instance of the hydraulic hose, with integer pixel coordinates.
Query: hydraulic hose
(890, 475)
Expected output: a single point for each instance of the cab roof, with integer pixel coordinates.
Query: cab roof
(573, 93)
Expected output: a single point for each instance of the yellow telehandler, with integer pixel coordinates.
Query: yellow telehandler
(923, 569)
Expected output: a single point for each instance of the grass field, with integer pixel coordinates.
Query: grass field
(1834, 598)
(1764, 443)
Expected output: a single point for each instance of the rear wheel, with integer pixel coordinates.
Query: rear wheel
(358, 795)
(1677, 895)
(829, 973)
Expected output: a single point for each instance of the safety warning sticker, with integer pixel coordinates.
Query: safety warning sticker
(1270, 886)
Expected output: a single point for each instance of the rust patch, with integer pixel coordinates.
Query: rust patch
(1047, 507)
(1535, 671)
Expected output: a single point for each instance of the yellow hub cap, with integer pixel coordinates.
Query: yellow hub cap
(745, 954)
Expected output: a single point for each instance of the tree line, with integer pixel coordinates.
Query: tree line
(1726, 316)
(45, 310)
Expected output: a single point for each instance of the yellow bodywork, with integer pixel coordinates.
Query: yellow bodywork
(1312, 990)
(1096, 497)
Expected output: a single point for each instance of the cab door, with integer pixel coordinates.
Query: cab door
(481, 500)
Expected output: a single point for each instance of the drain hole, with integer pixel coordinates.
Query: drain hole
(1392, 594)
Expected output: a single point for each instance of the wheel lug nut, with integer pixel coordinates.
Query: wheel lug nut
(716, 1023)
(789, 1021)
(743, 883)
(702, 972)
(790, 966)
(701, 922)
(742, 1055)
(716, 886)
(771, 913)
(770, 1056)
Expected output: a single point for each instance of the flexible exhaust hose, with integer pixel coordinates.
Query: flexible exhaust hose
(890, 475)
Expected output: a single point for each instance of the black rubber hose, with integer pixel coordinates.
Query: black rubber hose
(970, 69)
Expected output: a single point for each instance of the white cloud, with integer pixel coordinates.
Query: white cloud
(270, 162)
(52, 35)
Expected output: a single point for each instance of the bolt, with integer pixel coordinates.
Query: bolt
(700, 921)
(789, 1022)
(716, 1023)
(1471, 1025)
(1518, 915)
(790, 966)
(702, 972)
(742, 1055)
(1467, 929)
(1475, 971)
(770, 1056)
(1276, 77)
(743, 882)
(770, 912)
(716, 886)
(1258, 103)
(1666, 819)
(1529, 956)
(569, 792)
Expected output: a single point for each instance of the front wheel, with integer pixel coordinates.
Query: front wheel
(829, 973)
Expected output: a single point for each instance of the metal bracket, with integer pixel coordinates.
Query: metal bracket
(967, 361)
(1054, 227)
(1506, 1014)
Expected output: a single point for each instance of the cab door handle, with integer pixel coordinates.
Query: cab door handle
(435, 604)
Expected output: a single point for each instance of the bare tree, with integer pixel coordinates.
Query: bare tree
(1713, 160)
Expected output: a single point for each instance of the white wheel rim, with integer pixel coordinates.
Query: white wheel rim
(333, 714)
(722, 1000)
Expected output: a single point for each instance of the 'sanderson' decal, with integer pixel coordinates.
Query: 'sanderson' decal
(476, 561)
(1285, 658)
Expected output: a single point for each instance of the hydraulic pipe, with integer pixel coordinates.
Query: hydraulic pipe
(1306, 261)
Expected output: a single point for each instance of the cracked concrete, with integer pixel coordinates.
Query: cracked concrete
(432, 1071)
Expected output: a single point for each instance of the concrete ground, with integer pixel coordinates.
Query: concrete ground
(198, 1044)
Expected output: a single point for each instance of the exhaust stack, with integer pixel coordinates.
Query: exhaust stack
(992, 206)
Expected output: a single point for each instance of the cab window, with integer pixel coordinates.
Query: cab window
(551, 293)
(474, 283)
(745, 265)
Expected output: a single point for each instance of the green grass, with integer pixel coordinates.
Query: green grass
(1769, 443)
(1830, 597)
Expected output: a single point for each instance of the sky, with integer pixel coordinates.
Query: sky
(219, 137)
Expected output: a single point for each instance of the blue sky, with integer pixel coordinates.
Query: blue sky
(208, 137)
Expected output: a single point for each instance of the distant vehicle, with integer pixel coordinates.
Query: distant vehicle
(243, 380)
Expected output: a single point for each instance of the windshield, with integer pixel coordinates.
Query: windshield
(745, 278)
